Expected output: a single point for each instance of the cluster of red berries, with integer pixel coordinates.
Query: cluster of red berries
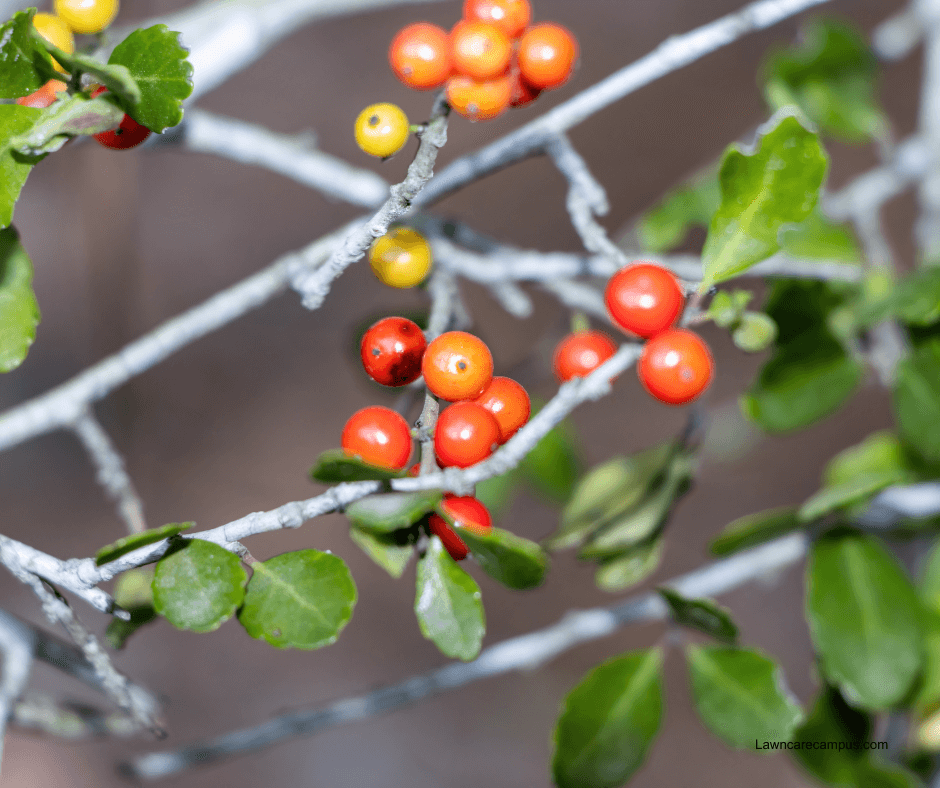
(644, 299)
(491, 60)
(486, 411)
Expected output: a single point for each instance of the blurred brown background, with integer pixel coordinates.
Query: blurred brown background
(121, 242)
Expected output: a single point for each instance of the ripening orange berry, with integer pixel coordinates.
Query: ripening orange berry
(457, 366)
(480, 100)
(420, 56)
(547, 54)
(479, 51)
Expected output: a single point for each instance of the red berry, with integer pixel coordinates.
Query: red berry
(457, 366)
(509, 403)
(580, 354)
(477, 100)
(468, 513)
(43, 97)
(128, 134)
(511, 16)
(466, 434)
(420, 56)
(378, 436)
(676, 366)
(522, 92)
(392, 350)
(644, 298)
(480, 51)
(547, 54)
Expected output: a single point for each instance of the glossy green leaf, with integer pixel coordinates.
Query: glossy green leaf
(859, 488)
(880, 452)
(513, 561)
(159, 64)
(61, 121)
(392, 555)
(646, 518)
(390, 511)
(917, 401)
(609, 721)
(865, 619)
(301, 599)
(741, 696)
(755, 333)
(626, 569)
(692, 205)
(607, 491)
(701, 614)
(126, 544)
(14, 166)
(23, 62)
(448, 604)
(816, 238)
(727, 307)
(761, 192)
(831, 77)
(334, 466)
(833, 720)
(116, 79)
(198, 585)
(806, 380)
(19, 311)
(552, 467)
(754, 529)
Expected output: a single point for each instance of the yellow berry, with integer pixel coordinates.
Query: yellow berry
(87, 16)
(382, 129)
(400, 258)
(56, 32)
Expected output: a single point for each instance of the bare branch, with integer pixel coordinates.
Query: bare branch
(17, 644)
(292, 156)
(578, 296)
(37, 713)
(111, 472)
(524, 652)
(313, 286)
(672, 54)
(898, 35)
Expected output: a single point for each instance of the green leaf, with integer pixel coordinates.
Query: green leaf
(384, 549)
(513, 561)
(390, 511)
(914, 299)
(116, 79)
(126, 544)
(701, 614)
(833, 720)
(301, 599)
(23, 62)
(334, 465)
(646, 518)
(78, 114)
(741, 696)
(831, 77)
(859, 488)
(880, 452)
(816, 238)
(158, 63)
(926, 700)
(755, 529)
(14, 166)
(448, 604)
(692, 205)
(609, 721)
(727, 307)
(19, 312)
(134, 593)
(761, 192)
(930, 580)
(917, 401)
(607, 491)
(552, 467)
(198, 585)
(806, 379)
(629, 567)
(864, 618)
(800, 307)
(497, 493)
(755, 333)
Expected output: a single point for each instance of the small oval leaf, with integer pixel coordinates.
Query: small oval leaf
(701, 614)
(334, 466)
(127, 544)
(391, 511)
(513, 561)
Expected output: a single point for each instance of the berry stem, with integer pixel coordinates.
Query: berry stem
(579, 322)
(426, 423)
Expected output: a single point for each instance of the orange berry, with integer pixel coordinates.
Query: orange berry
(378, 436)
(457, 366)
(479, 100)
(547, 54)
(420, 56)
(511, 16)
(509, 403)
(676, 366)
(479, 50)
(580, 354)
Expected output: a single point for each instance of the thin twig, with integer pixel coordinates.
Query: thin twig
(37, 713)
(17, 644)
(111, 473)
(524, 652)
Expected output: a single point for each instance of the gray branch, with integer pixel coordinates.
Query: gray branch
(292, 156)
(524, 652)
(111, 473)
(40, 714)
(17, 644)
(672, 54)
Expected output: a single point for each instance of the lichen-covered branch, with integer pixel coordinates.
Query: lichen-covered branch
(17, 644)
